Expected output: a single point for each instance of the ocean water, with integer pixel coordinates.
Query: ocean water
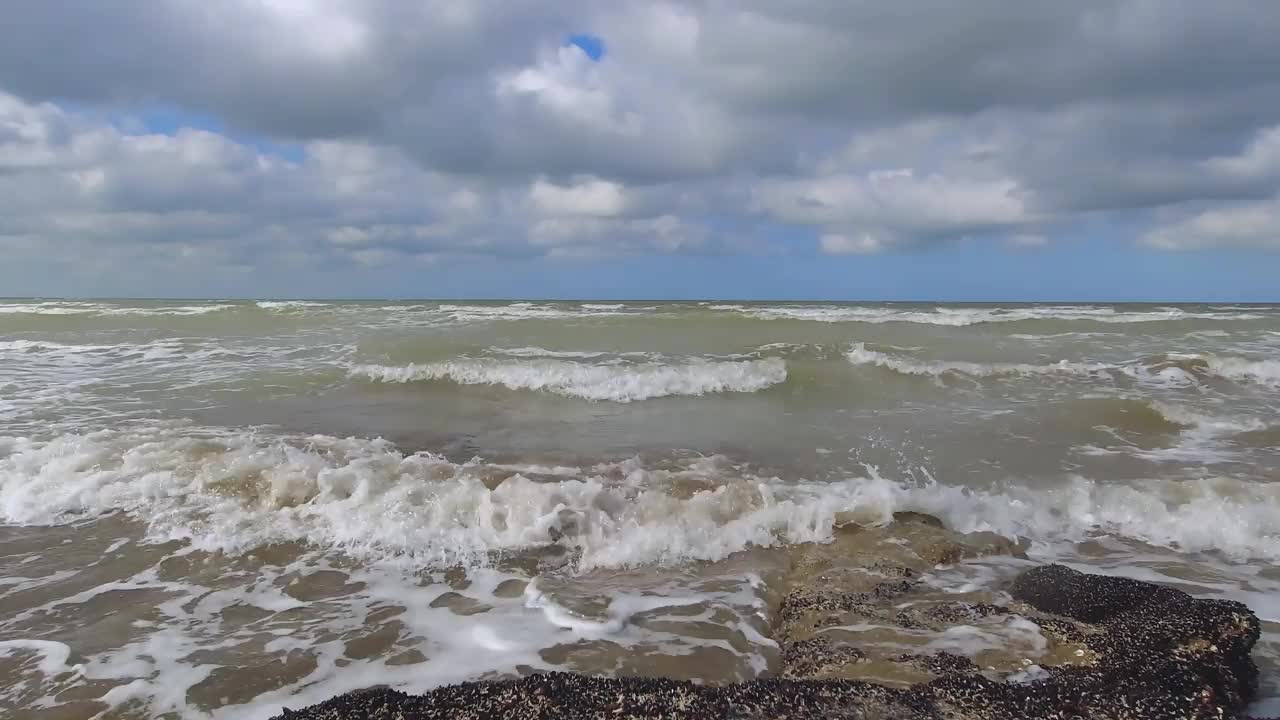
(216, 509)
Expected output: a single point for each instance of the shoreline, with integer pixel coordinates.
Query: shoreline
(1122, 648)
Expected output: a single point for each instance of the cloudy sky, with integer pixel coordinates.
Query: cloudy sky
(1119, 149)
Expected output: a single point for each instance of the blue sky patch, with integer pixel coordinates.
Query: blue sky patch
(590, 44)
(168, 120)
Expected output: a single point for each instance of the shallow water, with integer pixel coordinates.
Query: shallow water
(216, 509)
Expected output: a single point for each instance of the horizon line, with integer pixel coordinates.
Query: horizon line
(300, 298)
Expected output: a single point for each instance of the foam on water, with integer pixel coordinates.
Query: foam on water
(1262, 372)
(962, 317)
(523, 311)
(163, 670)
(70, 307)
(614, 383)
(289, 304)
(62, 384)
(52, 656)
(1207, 425)
(537, 352)
(1203, 438)
(1166, 370)
(238, 491)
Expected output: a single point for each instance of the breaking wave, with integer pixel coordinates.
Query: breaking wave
(234, 491)
(1168, 369)
(614, 383)
(71, 307)
(962, 317)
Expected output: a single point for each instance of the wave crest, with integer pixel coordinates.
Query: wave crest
(614, 383)
(236, 491)
(1169, 369)
(965, 316)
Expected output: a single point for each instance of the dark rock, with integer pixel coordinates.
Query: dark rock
(816, 656)
(1060, 590)
(1063, 630)
(942, 663)
(1155, 639)
(573, 697)
(957, 613)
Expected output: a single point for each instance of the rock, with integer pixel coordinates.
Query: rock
(564, 696)
(1156, 654)
(942, 663)
(908, 516)
(816, 657)
(1154, 639)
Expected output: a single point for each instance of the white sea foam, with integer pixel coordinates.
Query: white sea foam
(537, 352)
(240, 491)
(961, 317)
(615, 383)
(1262, 372)
(860, 354)
(289, 304)
(52, 655)
(22, 346)
(520, 311)
(1203, 438)
(179, 310)
(107, 309)
(49, 308)
(1209, 425)
(1168, 370)
(1060, 336)
(155, 672)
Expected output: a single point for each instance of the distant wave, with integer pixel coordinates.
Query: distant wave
(1170, 369)
(537, 352)
(962, 316)
(524, 311)
(614, 383)
(234, 491)
(104, 309)
(289, 304)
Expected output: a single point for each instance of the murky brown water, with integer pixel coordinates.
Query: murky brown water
(217, 510)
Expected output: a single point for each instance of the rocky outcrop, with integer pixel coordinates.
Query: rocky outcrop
(1141, 652)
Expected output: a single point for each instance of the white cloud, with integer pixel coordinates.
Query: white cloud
(899, 202)
(1250, 225)
(1260, 159)
(204, 199)
(863, 244)
(588, 196)
(326, 28)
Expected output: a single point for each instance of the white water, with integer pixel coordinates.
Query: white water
(963, 317)
(232, 491)
(614, 383)
(1159, 371)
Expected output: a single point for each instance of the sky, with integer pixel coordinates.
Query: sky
(750, 149)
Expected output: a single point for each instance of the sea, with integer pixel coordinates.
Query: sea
(217, 509)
